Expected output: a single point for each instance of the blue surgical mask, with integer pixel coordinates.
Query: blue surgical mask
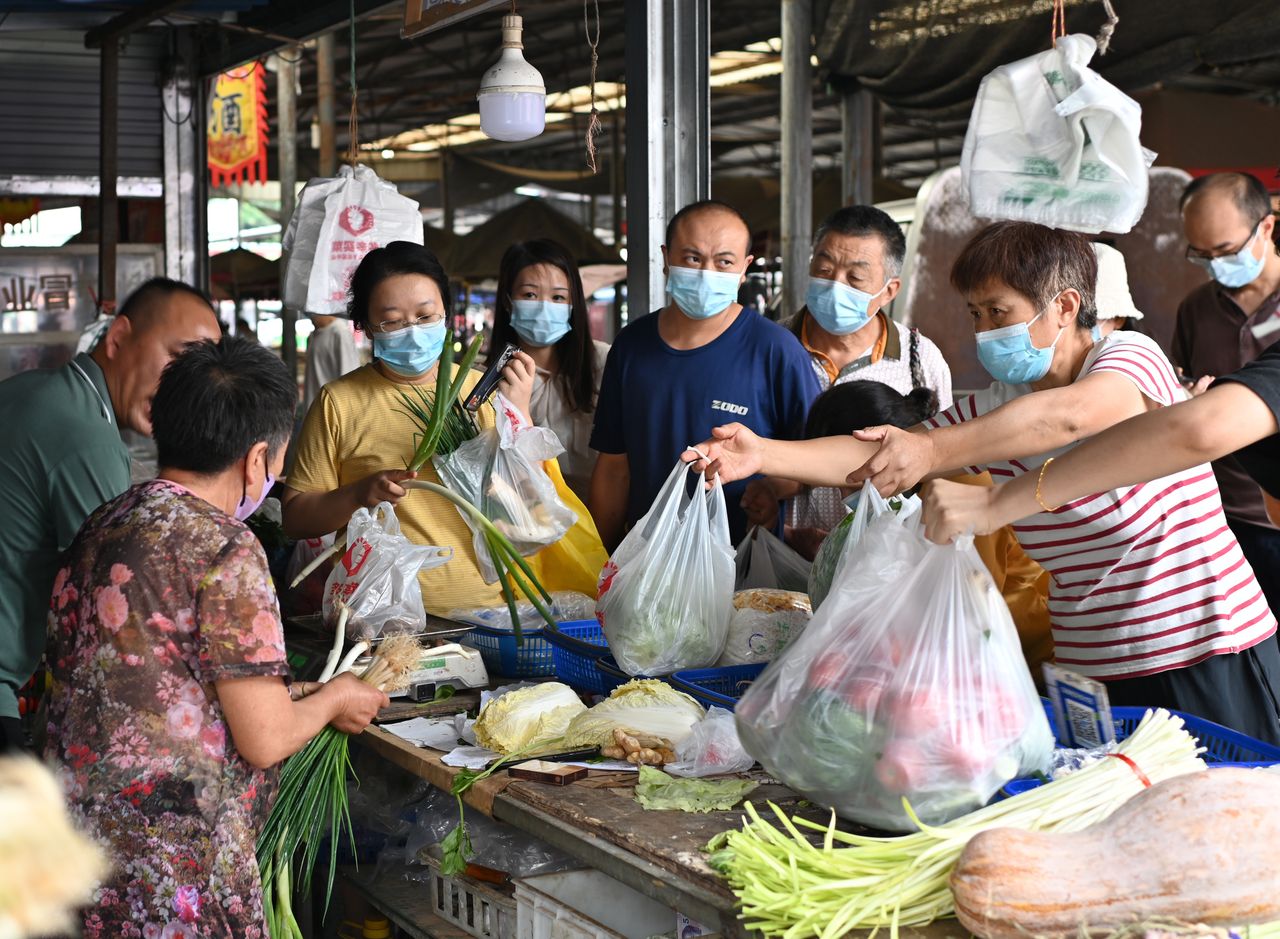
(702, 294)
(1009, 355)
(540, 322)
(839, 308)
(1096, 333)
(410, 351)
(1235, 270)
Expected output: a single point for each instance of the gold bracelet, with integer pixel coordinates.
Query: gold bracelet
(1040, 482)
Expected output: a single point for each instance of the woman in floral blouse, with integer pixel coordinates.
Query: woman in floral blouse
(170, 705)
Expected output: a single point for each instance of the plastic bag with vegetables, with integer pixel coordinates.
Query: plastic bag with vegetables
(500, 472)
(908, 683)
(841, 541)
(666, 595)
(763, 623)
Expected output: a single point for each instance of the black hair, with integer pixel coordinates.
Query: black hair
(860, 221)
(216, 400)
(705, 205)
(398, 257)
(842, 409)
(1246, 190)
(575, 353)
(145, 299)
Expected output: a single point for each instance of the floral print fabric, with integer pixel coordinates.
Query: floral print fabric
(162, 595)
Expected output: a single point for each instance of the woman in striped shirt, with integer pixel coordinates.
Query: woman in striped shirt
(1149, 590)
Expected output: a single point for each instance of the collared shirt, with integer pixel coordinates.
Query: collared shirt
(1214, 336)
(63, 458)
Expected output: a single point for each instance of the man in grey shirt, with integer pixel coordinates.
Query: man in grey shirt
(331, 353)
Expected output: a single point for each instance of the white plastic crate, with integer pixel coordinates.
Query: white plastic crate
(476, 908)
(585, 904)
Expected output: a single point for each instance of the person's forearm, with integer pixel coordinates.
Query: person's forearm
(823, 461)
(314, 514)
(266, 726)
(608, 506)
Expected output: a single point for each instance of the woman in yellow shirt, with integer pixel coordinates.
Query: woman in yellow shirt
(356, 437)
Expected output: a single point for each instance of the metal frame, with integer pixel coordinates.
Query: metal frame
(797, 151)
(186, 230)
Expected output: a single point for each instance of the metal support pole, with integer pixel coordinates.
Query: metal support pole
(446, 203)
(668, 131)
(108, 167)
(797, 151)
(287, 142)
(857, 145)
(324, 105)
(185, 231)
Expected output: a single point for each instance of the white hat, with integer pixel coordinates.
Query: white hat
(1111, 293)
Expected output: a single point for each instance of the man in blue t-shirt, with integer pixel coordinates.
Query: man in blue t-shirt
(699, 362)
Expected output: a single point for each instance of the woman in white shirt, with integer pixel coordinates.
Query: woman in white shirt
(542, 309)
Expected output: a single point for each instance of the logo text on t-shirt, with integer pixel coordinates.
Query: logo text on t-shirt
(731, 408)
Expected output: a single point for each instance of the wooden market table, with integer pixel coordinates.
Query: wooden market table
(598, 821)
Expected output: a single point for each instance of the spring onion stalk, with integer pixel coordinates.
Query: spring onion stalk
(513, 570)
(450, 419)
(311, 804)
(791, 888)
(317, 561)
(339, 634)
(349, 660)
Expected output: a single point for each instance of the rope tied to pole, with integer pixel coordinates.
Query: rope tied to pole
(593, 125)
(1108, 28)
(353, 121)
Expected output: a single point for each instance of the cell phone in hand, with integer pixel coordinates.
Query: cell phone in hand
(484, 388)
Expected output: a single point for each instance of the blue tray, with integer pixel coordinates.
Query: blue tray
(530, 659)
(717, 687)
(575, 648)
(612, 675)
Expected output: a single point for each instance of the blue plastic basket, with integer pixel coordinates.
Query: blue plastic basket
(611, 674)
(575, 648)
(717, 687)
(530, 659)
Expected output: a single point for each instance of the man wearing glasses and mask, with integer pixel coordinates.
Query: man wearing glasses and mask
(1227, 323)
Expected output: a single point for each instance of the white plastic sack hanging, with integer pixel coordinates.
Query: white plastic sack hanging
(337, 222)
(666, 595)
(765, 561)
(1051, 141)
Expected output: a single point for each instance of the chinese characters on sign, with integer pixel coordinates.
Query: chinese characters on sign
(238, 127)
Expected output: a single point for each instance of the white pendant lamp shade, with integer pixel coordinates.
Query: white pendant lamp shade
(513, 97)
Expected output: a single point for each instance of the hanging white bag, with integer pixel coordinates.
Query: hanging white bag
(666, 595)
(1051, 141)
(338, 221)
(767, 562)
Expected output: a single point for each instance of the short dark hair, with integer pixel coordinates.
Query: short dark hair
(143, 302)
(216, 400)
(1036, 261)
(575, 353)
(398, 257)
(860, 221)
(1245, 189)
(705, 205)
(853, 405)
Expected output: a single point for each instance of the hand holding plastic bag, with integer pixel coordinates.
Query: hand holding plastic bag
(376, 580)
(500, 472)
(713, 747)
(909, 683)
(765, 561)
(666, 595)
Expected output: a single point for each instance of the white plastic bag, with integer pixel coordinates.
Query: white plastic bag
(377, 577)
(337, 222)
(842, 541)
(712, 747)
(764, 560)
(764, 622)
(500, 472)
(1051, 141)
(909, 683)
(666, 595)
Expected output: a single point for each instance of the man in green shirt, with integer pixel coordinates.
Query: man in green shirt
(63, 457)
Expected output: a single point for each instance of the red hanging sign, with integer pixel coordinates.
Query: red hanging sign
(238, 127)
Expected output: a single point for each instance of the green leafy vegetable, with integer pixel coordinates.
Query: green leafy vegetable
(657, 790)
(456, 845)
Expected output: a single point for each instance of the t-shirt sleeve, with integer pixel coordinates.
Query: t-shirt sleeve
(1262, 377)
(81, 483)
(316, 464)
(607, 434)
(1144, 364)
(797, 388)
(238, 628)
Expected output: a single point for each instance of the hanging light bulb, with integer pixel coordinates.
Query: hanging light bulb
(513, 97)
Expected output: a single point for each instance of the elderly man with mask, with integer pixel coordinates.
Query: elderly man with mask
(1226, 324)
(698, 362)
(64, 458)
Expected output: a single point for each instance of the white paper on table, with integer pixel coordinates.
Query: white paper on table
(470, 757)
(608, 766)
(436, 733)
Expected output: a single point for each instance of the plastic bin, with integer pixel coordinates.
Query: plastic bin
(611, 674)
(530, 659)
(575, 648)
(586, 904)
(477, 909)
(717, 687)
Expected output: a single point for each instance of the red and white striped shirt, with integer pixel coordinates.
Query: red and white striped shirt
(1145, 578)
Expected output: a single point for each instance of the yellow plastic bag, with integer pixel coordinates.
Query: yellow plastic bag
(573, 562)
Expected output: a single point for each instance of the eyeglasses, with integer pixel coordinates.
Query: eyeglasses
(1203, 257)
(395, 326)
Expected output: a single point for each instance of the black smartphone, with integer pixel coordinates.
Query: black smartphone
(489, 380)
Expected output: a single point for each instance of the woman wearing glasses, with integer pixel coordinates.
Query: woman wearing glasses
(356, 437)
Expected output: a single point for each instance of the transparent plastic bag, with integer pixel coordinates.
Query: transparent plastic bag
(764, 560)
(566, 605)
(666, 595)
(843, 539)
(1051, 141)
(764, 622)
(712, 747)
(377, 577)
(909, 683)
(500, 472)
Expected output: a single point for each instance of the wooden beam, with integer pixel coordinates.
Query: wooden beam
(130, 20)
